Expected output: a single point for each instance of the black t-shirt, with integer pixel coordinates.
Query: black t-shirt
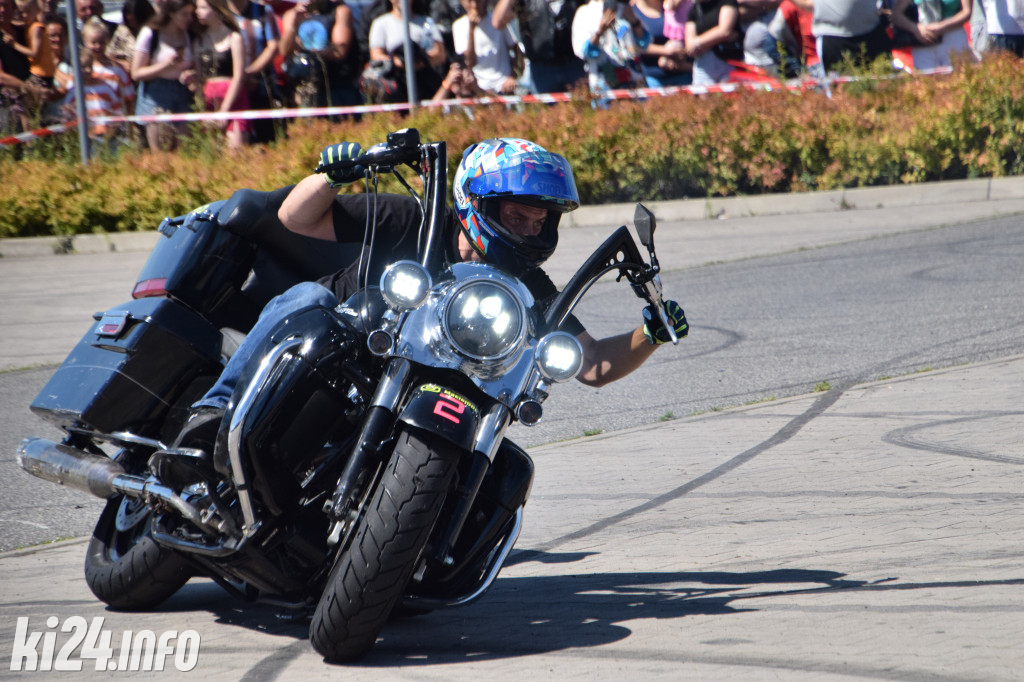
(398, 221)
(705, 14)
(13, 62)
(547, 37)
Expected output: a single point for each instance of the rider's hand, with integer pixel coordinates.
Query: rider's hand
(339, 152)
(655, 331)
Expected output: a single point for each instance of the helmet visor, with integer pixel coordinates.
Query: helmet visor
(541, 178)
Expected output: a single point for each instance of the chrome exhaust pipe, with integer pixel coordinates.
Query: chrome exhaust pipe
(96, 475)
(70, 467)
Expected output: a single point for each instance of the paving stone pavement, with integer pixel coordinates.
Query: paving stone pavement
(868, 533)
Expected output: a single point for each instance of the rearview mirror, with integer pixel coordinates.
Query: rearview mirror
(644, 222)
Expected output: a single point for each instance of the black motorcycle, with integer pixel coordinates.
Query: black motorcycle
(365, 467)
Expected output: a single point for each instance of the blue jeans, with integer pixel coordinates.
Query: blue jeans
(556, 77)
(300, 296)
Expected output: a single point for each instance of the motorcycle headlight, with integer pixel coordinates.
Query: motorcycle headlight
(484, 320)
(559, 356)
(404, 285)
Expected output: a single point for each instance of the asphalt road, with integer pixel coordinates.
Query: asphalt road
(762, 328)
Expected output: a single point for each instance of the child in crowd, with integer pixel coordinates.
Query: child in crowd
(107, 89)
(674, 29)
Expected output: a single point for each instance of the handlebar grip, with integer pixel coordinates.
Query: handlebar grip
(378, 155)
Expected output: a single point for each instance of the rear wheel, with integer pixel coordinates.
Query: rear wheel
(124, 566)
(369, 578)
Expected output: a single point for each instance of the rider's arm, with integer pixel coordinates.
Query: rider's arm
(609, 359)
(308, 209)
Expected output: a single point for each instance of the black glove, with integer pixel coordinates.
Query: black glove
(655, 331)
(340, 152)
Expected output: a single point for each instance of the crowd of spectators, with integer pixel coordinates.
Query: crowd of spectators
(235, 55)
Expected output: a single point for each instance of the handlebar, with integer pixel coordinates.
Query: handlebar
(401, 147)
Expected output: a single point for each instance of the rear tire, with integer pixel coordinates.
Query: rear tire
(124, 565)
(368, 580)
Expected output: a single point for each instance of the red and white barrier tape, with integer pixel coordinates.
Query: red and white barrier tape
(34, 134)
(761, 83)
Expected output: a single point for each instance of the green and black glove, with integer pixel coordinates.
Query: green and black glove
(339, 152)
(655, 331)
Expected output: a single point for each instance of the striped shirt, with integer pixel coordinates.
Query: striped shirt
(108, 93)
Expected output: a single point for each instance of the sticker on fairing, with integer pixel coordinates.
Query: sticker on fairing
(450, 405)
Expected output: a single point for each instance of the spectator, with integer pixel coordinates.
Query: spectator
(106, 87)
(87, 9)
(162, 61)
(546, 30)
(712, 35)
(460, 83)
(57, 34)
(41, 60)
(791, 27)
(363, 14)
(321, 54)
(134, 15)
(849, 30)
(387, 41)
(759, 47)
(665, 62)
(63, 74)
(487, 50)
(14, 71)
(263, 39)
(1004, 24)
(939, 29)
(220, 67)
(674, 19)
(445, 13)
(609, 37)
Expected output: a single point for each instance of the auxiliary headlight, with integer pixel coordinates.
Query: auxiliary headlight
(404, 285)
(559, 356)
(484, 320)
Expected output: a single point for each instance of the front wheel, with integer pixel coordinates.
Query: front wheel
(369, 578)
(124, 566)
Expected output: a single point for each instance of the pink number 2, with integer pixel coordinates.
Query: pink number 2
(449, 409)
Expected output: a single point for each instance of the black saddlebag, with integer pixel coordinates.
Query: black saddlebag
(131, 367)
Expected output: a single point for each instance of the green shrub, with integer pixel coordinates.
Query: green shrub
(876, 132)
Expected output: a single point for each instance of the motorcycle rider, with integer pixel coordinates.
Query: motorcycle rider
(509, 195)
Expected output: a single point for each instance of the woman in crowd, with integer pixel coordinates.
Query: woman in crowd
(162, 65)
(220, 67)
(939, 30)
(41, 60)
(712, 35)
(665, 61)
(18, 97)
(134, 15)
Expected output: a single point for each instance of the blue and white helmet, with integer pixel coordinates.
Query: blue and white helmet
(521, 171)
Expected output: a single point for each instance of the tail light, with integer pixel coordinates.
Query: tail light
(149, 288)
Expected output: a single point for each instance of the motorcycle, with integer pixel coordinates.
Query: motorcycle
(365, 469)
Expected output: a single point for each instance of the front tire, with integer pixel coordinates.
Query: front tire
(369, 578)
(124, 565)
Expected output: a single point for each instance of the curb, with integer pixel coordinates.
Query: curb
(893, 196)
(44, 547)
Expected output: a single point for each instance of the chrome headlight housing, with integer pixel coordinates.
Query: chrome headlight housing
(405, 285)
(559, 356)
(484, 320)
